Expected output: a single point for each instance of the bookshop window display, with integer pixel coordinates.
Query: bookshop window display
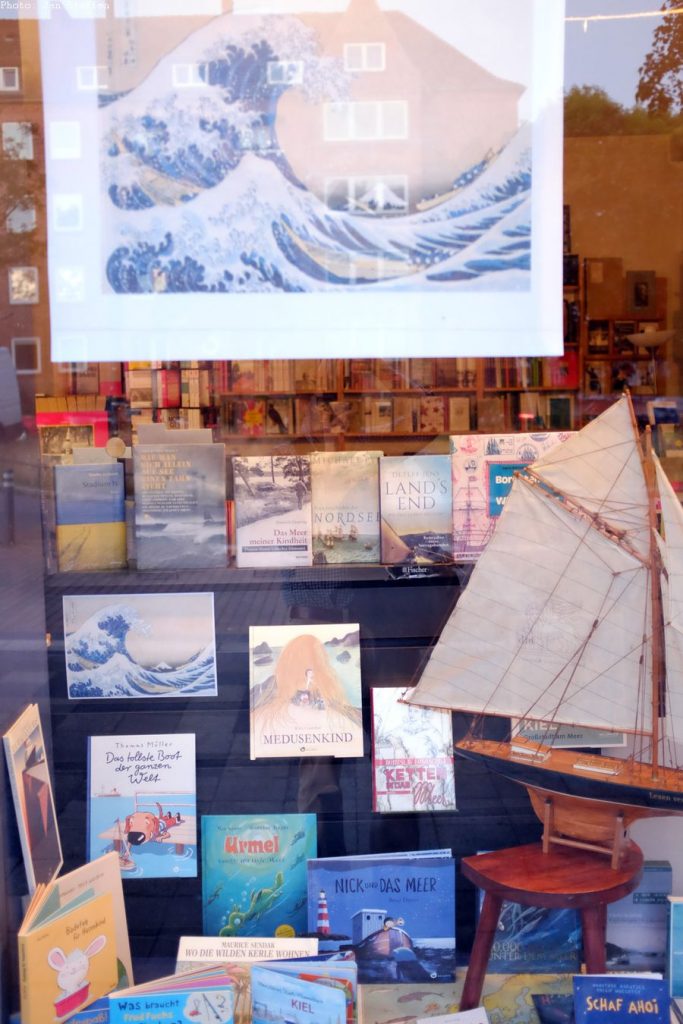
(241, 583)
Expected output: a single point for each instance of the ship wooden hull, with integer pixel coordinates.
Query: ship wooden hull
(590, 795)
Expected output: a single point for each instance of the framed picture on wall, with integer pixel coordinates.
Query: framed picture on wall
(641, 293)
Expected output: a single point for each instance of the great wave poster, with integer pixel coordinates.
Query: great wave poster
(292, 177)
(139, 645)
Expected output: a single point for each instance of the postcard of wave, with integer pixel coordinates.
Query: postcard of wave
(142, 802)
(397, 915)
(305, 691)
(139, 645)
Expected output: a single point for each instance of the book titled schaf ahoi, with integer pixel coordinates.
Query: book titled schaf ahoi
(617, 998)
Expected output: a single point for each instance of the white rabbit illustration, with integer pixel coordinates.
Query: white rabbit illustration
(72, 970)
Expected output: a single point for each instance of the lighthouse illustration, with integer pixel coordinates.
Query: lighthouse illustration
(322, 925)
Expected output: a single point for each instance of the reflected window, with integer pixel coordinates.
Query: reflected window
(371, 194)
(364, 57)
(21, 219)
(285, 72)
(26, 355)
(366, 120)
(91, 78)
(17, 140)
(187, 76)
(23, 285)
(9, 79)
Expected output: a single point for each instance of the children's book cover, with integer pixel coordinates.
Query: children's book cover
(412, 754)
(272, 510)
(180, 506)
(542, 938)
(67, 958)
(674, 970)
(33, 797)
(396, 915)
(305, 691)
(254, 879)
(278, 999)
(207, 999)
(637, 925)
(142, 803)
(616, 999)
(90, 524)
(345, 488)
(483, 468)
(140, 645)
(339, 974)
(415, 508)
(194, 951)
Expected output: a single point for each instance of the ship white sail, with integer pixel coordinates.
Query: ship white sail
(555, 621)
(672, 586)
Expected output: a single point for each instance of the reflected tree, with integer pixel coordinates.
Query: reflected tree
(660, 86)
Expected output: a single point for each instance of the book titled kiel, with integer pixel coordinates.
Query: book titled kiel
(412, 754)
(305, 691)
(90, 526)
(416, 509)
(180, 506)
(272, 510)
(279, 998)
(396, 915)
(254, 873)
(345, 487)
(142, 803)
(34, 804)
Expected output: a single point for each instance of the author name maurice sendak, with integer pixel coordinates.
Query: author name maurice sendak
(307, 737)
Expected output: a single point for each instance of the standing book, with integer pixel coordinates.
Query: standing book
(619, 998)
(90, 522)
(305, 691)
(412, 755)
(180, 506)
(33, 798)
(254, 873)
(142, 801)
(73, 943)
(416, 512)
(272, 510)
(204, 996)
(279, 999)
(345, 488)
(395, 914)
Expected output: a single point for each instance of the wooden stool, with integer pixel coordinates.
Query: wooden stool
(562, 878)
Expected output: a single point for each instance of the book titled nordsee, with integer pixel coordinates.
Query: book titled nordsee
(142, 802)
(345, 487)
(254, 873)
(180, 506)
(396, 915)
(90, 527)
(416, 509)
(272, 510)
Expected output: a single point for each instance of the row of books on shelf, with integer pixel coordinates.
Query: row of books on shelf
(287, 510)
(552, 372)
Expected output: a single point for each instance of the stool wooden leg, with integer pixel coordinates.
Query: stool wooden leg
(481, 950)
(594, 922)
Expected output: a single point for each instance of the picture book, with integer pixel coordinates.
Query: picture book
(96, 1013)
(139, 645)
(338, 974)
(33, 798)
(412, 755)
(544, 939)
(637, 925)
(194, 951)
(395, 914)
(561, 736)
(73, 943)
(616, 999)
(415, 508)
(142, 803)
(180, 506)
(345, 496)
(90, 523)
(245, 416)
(278, 999)
(272, 510)
(305, 691)
(483, 468)
(254, 873)
(554, 1007)
(674, 966)
(201, 997)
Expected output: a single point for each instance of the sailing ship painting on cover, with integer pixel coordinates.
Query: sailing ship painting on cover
(589, 634)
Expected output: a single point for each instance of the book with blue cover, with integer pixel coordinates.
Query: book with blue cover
(618, 998)
(205, 996)
(674, 971)
(544, 939)
(254, 879)
(278, 999)
(416, 509)
(395, 914)
(636, 933)
(90, 526)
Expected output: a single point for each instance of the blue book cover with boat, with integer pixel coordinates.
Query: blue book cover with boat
(254, 873)
(395, 914)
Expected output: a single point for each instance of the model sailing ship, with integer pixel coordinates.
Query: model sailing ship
(573, 615)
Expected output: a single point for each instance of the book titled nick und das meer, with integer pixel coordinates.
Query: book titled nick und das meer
(395, 914)
(142, 803)
(254, 873)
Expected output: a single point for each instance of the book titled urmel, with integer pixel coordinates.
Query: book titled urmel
(254, 873)
(396, 915)
(305, 691)
(180, 506)
(415, 506)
